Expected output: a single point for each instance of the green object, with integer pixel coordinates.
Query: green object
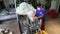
(59, 10)
(17, 5)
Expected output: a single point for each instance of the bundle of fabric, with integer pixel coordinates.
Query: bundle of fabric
(25, 9)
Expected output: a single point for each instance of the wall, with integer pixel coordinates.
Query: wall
(42, 1)
(8, 2)
(0, 0)
(11, 2)
(58, 3)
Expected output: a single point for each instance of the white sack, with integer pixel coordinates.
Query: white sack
(26, 9)
(23, 8)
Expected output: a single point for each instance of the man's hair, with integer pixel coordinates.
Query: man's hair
(38, 5)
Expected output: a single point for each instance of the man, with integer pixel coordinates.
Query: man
(40, 14)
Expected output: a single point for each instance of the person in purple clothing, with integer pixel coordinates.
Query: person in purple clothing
(40, 14)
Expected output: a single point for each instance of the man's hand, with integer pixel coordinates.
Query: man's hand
(35, 17)
(41, 16)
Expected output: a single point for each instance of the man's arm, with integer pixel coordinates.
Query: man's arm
(41, 16)
(34, 13)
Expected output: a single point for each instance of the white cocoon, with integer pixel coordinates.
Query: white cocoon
(30, 15)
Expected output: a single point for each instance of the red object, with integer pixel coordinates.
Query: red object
(52, 13)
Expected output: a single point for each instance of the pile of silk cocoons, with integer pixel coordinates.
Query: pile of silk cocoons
(26, 9)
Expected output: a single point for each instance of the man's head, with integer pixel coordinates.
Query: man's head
(38, 5)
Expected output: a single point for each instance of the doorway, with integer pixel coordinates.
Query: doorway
(2, 6)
